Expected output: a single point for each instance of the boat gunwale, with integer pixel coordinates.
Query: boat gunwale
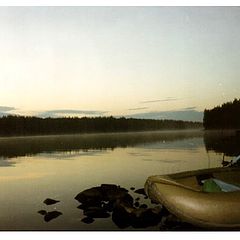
(152, 190)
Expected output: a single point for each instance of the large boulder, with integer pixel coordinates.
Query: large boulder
(90, 195)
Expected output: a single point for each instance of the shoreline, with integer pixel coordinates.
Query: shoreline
(104, 133)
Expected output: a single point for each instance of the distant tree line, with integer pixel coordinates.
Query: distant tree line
(25, 125)
(226, 116)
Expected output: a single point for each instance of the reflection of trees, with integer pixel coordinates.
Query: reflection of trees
(222, 142)
(20, 125)
(225, 116)
(22, 146)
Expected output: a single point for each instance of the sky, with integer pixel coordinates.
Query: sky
(143, 62)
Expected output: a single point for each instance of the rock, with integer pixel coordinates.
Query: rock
(132, 188)
(108, 206)
(50, 201)
(141, 218)
(114, 194)
(96, 212)
(126, 200)
(82, 206)
(157, 210)
(108, 187)
(164, 211)
(171, 222)
(143, 206)
(89, 204)
(121, 216)
(106, 192)
(153, 202)
(136, 204)
(42, 212)
(51, 215)
(98, 202)
(140, 191)
(90, 195)
(87, 220)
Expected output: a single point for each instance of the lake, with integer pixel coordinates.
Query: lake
(59, 167)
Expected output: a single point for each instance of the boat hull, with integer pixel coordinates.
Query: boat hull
(190, 204)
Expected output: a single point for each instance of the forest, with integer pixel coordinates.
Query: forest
(25, 125)
(226, 116)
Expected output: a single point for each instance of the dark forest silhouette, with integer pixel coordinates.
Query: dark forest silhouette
(24, 125)
(226, 116)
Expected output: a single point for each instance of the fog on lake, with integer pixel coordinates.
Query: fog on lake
(33, 169)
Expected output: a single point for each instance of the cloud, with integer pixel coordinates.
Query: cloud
(140, 108)
(62, 112)
(161, 100)
(185, 115)
(6, 109)
(3, 114)
(189, 108)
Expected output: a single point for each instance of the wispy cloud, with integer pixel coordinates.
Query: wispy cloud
(140, 108)
(161, 100)
(6, 109)
(60, 112)
(189, 108)
(185, 115)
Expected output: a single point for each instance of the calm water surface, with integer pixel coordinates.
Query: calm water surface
(59, 167)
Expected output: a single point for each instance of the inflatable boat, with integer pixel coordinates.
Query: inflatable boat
(208, 198)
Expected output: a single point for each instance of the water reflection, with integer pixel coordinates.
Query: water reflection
(70, 146)
(226, 142)
(49, 216)
(62, 166)
(27, 146)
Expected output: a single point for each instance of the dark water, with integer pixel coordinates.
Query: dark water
(59, 167)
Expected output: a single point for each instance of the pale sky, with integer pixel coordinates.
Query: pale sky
(123, 61)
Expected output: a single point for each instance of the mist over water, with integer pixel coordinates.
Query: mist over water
(59, 167)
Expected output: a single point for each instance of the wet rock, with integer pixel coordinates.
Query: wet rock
(98, 202)
(140, 191)
(121, 217)
(82, 206)
(96, 212)
(50, 201)
(117, 193)
(106, 192)
(171, 220)
(154, 202)
(89, 204)
(143, 206)
(108, 206)
(136, 204)
(42, 212)
(51, 215)
(164, 211)
(91, 195)
(157, 210)
(126, 201)
(132, 188)
(173, 223)
(87, 220)
(141, 218)
(108, 187)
